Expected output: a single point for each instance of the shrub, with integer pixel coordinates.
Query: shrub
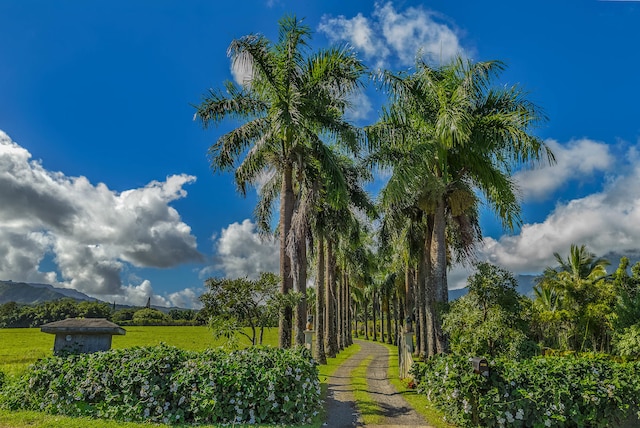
(150, 316)
(169, 385)
(538, 392)
(628, 342)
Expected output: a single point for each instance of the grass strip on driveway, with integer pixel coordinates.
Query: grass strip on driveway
(367, 407)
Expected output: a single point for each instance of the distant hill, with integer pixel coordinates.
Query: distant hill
(32, 294)
(525, 287)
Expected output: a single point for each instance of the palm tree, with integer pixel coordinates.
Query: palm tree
(583, 294)
(449, 135)
(290, 100)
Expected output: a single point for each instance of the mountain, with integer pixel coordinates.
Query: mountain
(31, 294)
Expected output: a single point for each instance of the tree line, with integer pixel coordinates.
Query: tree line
(14, 315)
(448, 137)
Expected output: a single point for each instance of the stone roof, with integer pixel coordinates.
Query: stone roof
(83, 326)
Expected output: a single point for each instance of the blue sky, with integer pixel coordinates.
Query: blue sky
(104, 180)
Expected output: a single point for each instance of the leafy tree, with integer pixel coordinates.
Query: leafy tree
(626, 317)
(233, 304)
(290, 101)
(150, 316)
(492, 318)
(123, 315)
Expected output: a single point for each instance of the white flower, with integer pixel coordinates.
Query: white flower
(520, 414)
(509, 416)
(547, 422)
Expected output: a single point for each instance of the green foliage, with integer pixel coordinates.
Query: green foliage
(576, 303)
(124, 316)
(539, 392)
(232, 304)
(149, 316)
(491, 319)
(164, 384)
(627, 342)
(13, 315)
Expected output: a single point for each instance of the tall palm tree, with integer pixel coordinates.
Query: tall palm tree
(449, 135)
(290, 101)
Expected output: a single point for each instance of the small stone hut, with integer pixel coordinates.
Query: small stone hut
(82, 335)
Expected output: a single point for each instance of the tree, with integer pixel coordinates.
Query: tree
(586, 298)
(449, 135)
(491, 319)
(288, 101)
(233, 304)
(150, 316)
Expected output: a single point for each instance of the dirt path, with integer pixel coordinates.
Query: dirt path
(340, 404)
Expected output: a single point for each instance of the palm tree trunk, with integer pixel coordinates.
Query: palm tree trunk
(320, 307)
(436, 281)
(408, 299)
(286, 284)
(339, 301)
(389, 338)
(301, 287)
(330, 342)
(346, 327)
(439, 253)
(375, 318)
(365, 306)
(396, 311)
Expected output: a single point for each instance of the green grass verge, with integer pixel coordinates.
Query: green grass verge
(418, 401)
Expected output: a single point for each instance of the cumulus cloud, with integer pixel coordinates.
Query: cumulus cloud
(606, 222)
(241, 251)
(576, 160)
(89, 231)
(398, 34)
(138, 294)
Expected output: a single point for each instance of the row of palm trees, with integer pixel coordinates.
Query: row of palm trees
(448, 137)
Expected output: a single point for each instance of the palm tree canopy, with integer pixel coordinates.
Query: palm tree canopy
(448, 132)
(289, 99)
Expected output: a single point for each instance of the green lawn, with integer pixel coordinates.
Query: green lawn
(20, 347)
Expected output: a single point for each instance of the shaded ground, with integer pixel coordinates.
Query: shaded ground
(340, 404)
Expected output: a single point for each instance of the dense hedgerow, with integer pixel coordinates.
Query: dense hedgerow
(537, 392)
(169, 385)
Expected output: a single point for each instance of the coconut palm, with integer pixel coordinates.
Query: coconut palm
(449, 135)
(290, 100)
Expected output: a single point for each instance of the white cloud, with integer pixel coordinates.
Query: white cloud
(89, 231)
(607, 221)
(359, 107)
(576, 160)
(398, 33)
(241, 251)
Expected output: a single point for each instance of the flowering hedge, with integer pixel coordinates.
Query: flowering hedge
(537, 392)
(169, 385)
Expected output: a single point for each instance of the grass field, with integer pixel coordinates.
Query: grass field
(20, 347)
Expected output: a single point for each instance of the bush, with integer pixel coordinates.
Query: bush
(538, 392)
(628, 342)
(149, 316)
(169, 385)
